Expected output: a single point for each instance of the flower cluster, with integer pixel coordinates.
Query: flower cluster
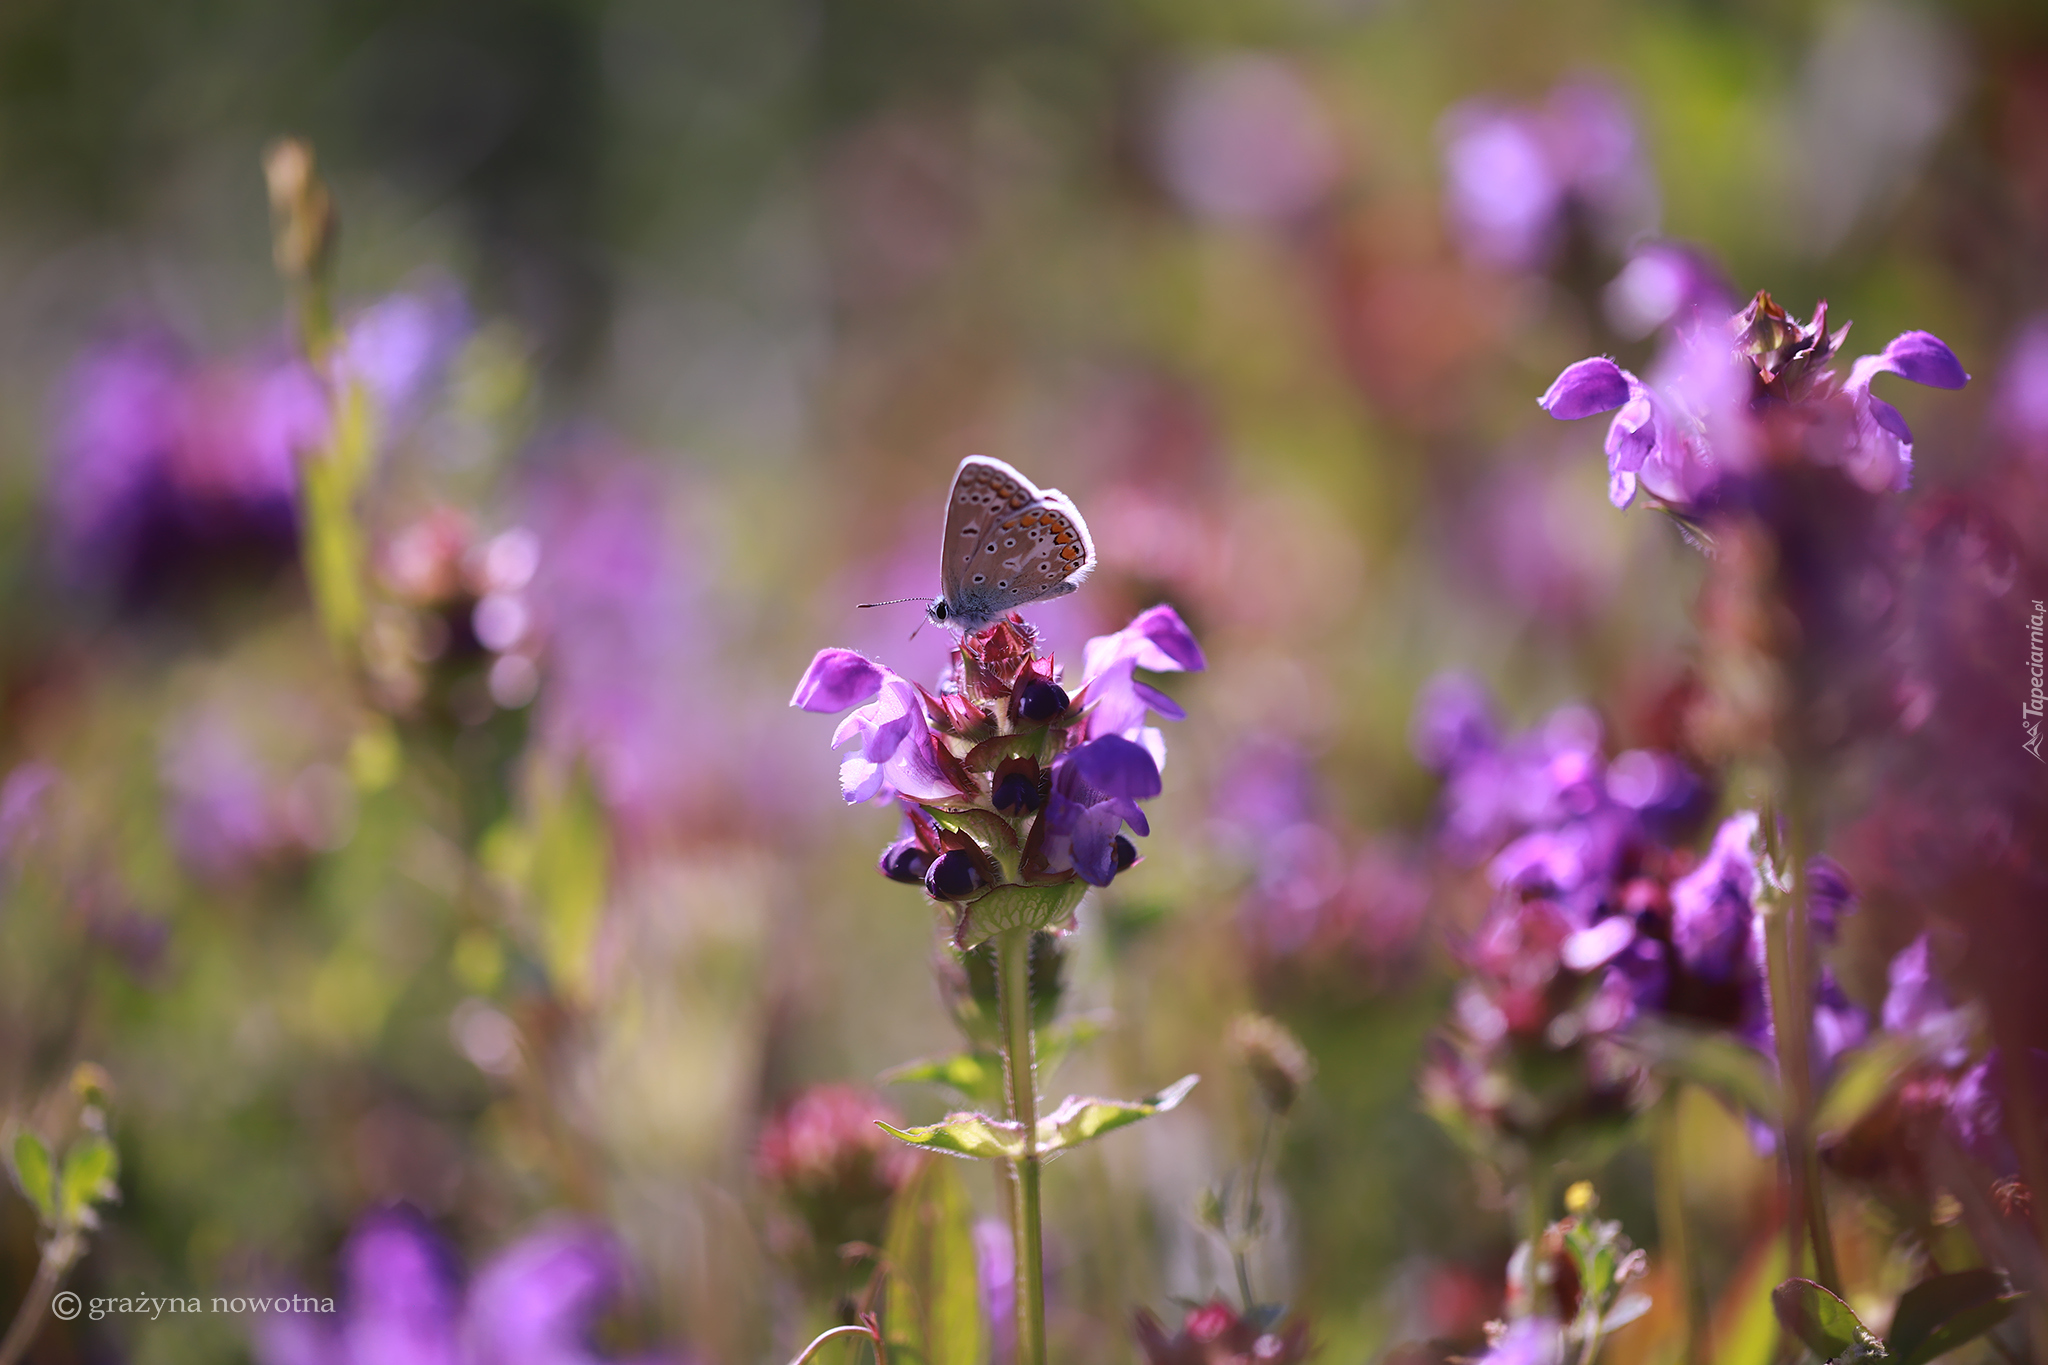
(1601, 916)
(826, 1161)
(1016, 793)
(1724, 398)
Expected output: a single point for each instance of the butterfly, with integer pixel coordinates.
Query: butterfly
(1007, 542)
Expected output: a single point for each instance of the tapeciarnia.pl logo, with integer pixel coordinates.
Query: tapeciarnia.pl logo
(2037, 700)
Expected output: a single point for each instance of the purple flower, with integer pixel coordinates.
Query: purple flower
(162, 462)
(400, 346)
(402, 1301)
(1700, 421)
(1112, 697)
(1713, 908)
(1012, 786)
(1663, 284)
(1915, 1004)
(1879, 454)
(2022, 403)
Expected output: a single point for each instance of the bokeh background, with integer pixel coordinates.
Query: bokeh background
(679, 318)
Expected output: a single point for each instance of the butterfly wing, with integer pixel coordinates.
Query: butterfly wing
(1008, 543)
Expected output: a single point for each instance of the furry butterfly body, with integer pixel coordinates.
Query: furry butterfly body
(1007, 543)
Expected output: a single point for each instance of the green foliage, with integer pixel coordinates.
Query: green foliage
(1829, 1327)
(1724, 1065)
(977, 1074)
(1077, 1120)
(1933, 1318)
(29, 1161)
(90, 1170)
(932, 1301)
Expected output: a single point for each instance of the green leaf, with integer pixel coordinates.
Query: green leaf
(30, 1161)
(1940, 1314)
(1733, 1070)
(976, 1075)
(90, 1169)
(1019, 907)
(1080, 1118)
(975, 1135)
(1829, 1327)
(931, 1302)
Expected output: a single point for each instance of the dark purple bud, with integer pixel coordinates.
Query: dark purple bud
(1016, 793)
(905, 861)
(1126, 853)
(1041, 701)
(953, 876)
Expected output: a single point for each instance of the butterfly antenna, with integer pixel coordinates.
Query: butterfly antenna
(894, 601)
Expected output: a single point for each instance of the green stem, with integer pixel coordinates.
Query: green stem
(1254, 1215)
(1790, 964)
(58, 1255)
(1672, 1234)
(1535, 1222)
(1013, 957)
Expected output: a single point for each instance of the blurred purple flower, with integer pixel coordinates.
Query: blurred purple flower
(1515, 173)
(159, 460)
(1916, 1005)
(399, 347)
(614, 597)
(402, 1302)
(223, 804)
(1879, 456)
(2021, 406)
(24, 801)
(1666, 284)
(1527, 1341)
(1243, 140)
(1713, 908)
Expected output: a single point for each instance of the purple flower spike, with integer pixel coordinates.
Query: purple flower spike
(1591, 386)
(1116, 767)
(837, 679)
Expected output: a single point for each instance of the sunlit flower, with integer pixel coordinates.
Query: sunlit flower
(1701, 420)
(1014, 788)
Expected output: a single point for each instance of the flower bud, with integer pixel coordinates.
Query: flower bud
(1041, 701)
(953, 876)
(1016, 793)
(1278, 1063)
(905, 861)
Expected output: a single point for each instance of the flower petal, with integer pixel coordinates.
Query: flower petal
(1888, 417)
(1095, 844)
(837, 679)
(1926, 359)
(1115, 766)
(1592, 385)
